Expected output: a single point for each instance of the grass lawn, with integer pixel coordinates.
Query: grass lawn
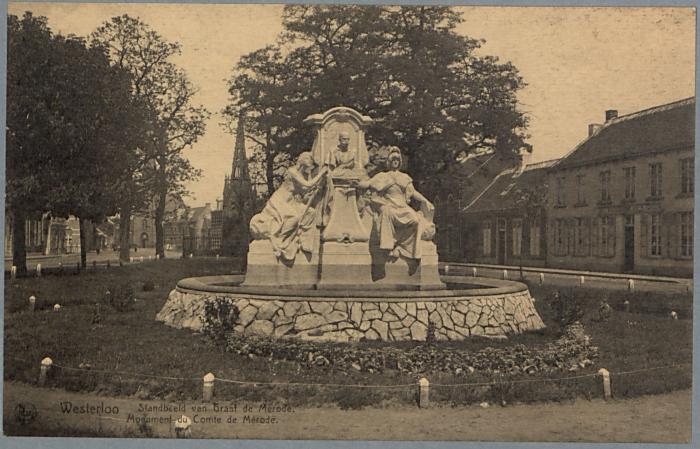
(133, 342)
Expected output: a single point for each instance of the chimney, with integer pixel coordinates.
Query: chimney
(593, 129)
(610, 114)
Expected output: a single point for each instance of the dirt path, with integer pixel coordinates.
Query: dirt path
(663, 418)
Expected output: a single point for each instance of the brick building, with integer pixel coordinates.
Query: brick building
(620, 201)
(508, 218)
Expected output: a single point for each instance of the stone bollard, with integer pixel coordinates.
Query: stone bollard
(13, 272)
(630, 285)
(32, 303)
(38, 270)
(131, 259)
(541, 278)
(505, 274)
(45, 368)
(208, 387)
(423, 393)
(56, 307)
(627, 305)
(447, 270)
(606, 383)
(581, 280)
(183, 427)
(674, 315)
(474, 271)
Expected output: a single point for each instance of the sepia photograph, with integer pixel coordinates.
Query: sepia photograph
(348, 222)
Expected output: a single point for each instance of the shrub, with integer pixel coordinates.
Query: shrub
(566, 308)
(220, 316)
(149, 286)
(121, 297)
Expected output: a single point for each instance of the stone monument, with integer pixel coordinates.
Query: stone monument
(351, 231)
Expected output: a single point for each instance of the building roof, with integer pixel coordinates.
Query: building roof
(197, 212)
(476, 172)
(500, 194)
(661, 128)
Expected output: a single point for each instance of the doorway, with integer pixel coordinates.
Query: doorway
(501, 229)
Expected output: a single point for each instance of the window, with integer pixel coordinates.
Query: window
(630, 177)
(580, 237)
(534, 239)
(687, 167)
(605, 186)
(517, 237)
(580, 193)
(686, 234)
(486, 234)
(606, 236)
(655, 235)
(561, 199)
(655, 180)
(559, 237)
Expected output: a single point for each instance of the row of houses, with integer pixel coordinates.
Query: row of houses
(54, 235)
(620, 201)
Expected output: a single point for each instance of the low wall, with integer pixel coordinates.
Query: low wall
(456, 315)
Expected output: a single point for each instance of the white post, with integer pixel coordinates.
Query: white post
(474, 271)
(505, 274)
(423, 393)
(32, 303)
(581, 280)
(208, 387)
(45, 367)
(38, 270)
(13, 272)
(541, 278)
(183, 427)
(630, 285)
(606, 383)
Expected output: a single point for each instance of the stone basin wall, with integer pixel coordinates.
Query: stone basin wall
(330, 319)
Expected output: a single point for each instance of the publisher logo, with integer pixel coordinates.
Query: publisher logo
(25, 412)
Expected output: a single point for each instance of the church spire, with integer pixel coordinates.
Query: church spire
(239, 167)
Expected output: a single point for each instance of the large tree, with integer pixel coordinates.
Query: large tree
(68, 110)
(429, 91)
(178, 123)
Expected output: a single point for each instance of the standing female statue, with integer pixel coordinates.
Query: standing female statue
(399, 227)
(289, 215)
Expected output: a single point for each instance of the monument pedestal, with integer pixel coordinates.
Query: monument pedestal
(265, 269)
(398, 272)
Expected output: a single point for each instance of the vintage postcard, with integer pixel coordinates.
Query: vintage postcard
(343, 222)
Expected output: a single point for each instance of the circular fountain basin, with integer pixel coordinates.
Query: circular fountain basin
(468, 306)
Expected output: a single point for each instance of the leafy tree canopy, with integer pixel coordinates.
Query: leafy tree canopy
(429, 91)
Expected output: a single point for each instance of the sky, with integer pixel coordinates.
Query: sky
(577, 62)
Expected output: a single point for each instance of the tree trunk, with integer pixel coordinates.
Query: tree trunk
(270, 172)
(83, 246)
(19, 249)
(160, 215)
(125, 232)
